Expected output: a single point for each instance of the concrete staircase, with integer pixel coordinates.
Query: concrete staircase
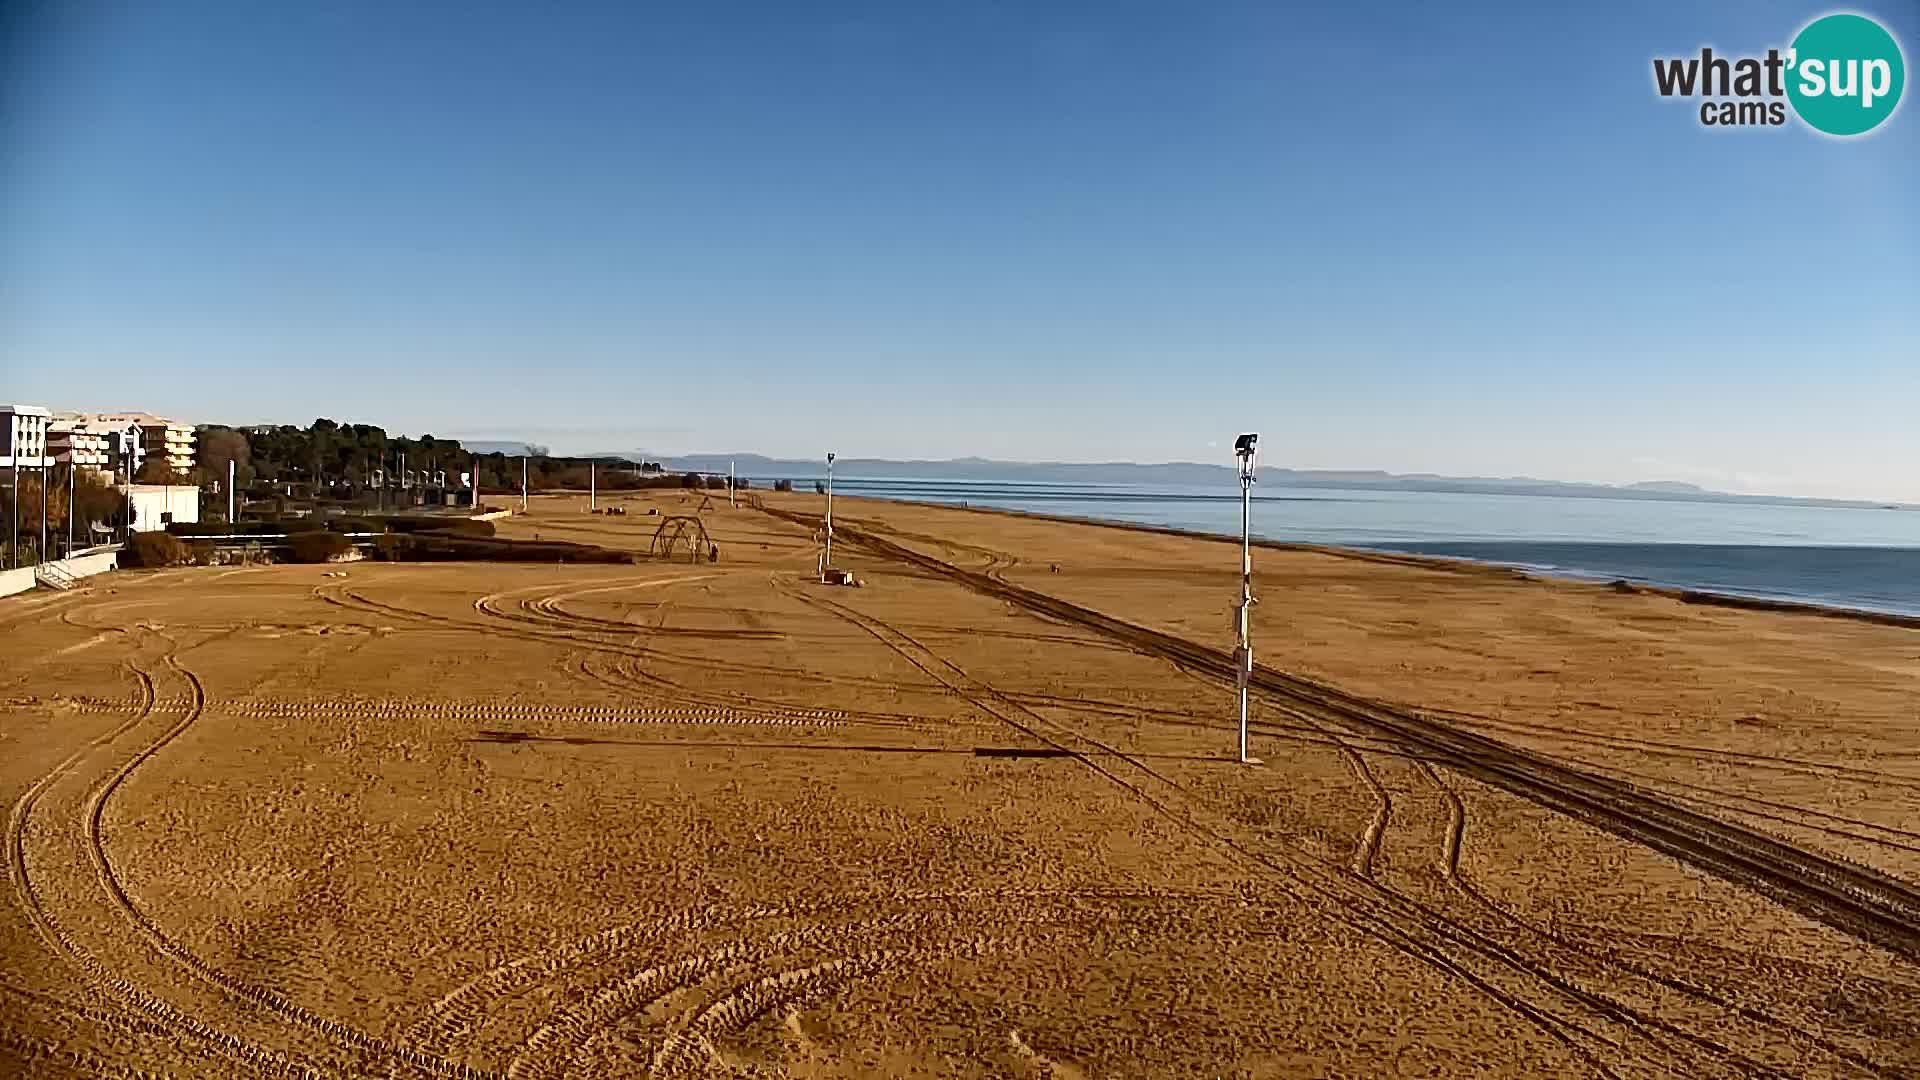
(53, 576)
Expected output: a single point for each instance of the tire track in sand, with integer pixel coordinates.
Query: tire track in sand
(1530, 991)
(334, 1032)
(148, 1008)
(1597, 1005)
(1611, 959)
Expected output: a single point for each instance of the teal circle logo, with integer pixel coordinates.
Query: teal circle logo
(1845, 74)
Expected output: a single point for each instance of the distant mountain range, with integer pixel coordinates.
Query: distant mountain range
(1182, 474)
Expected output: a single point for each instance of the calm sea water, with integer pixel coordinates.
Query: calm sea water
(1867, 559)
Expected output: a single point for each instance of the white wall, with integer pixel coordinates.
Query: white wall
(80, 566)
(150, 501)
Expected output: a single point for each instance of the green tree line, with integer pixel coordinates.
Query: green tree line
(323, 452)
(332, 455)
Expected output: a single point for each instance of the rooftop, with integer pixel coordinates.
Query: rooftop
(144, 419)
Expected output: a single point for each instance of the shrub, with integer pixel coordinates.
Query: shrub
(447, 547)
(691, 480)
(317, 546)
(191, 529)
(202, 551)
(153, 549)
(783, 485)
(405, 523)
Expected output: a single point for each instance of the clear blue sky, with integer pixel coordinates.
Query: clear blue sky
(1403, 236)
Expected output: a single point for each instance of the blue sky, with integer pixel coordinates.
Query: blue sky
(1397, 236)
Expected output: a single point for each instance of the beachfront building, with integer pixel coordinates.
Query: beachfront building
(24, 428)
(158, 436)
(81, 444)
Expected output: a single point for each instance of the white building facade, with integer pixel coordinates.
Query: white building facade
(82, 445)
(155, 506)
(25, 431)
(157, 435)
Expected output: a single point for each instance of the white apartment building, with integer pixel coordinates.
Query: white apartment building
(161, 435)
(25, 430)
(84, 445)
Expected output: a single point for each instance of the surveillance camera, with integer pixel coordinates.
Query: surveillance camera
(1244, 444)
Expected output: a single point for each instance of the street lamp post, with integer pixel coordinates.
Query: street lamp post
(13, 497)
(1243, 448)
(827, 562)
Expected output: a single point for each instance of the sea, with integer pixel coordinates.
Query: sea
(1867, 559)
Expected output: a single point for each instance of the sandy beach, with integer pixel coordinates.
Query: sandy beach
(979, 817)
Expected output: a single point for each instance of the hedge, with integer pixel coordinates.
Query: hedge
(317, 546)
(447, 547)
(153, 549)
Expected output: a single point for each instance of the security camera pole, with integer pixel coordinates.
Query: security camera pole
(1243, 655)
(523, 483)
(827, 562)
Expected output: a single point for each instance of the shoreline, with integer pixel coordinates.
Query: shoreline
(1452, 564)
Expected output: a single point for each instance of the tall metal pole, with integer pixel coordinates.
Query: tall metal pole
(41, 555)
(731, 500)
(593, 487)
(1244, 448)
(827, 563)
(1247, 600)
(13, 488)
(523, 483)
(70, 465)
(230, 496)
